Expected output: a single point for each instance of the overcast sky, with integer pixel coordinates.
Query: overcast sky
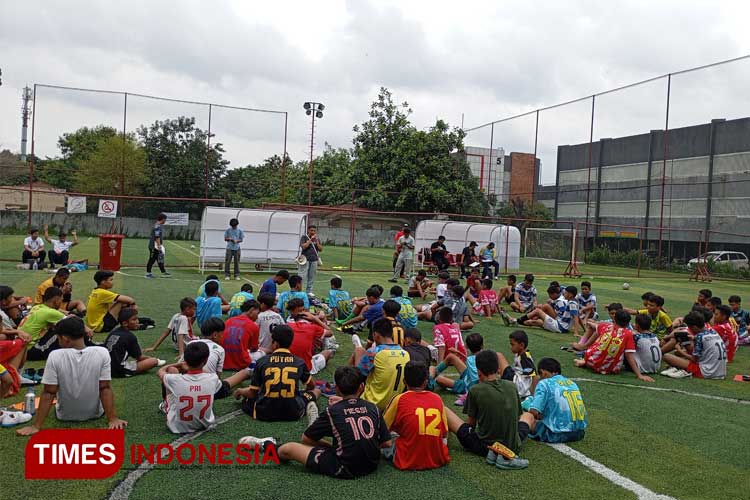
(482, 60)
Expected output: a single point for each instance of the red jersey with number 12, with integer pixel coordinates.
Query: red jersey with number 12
(420, 420)
(606, 353)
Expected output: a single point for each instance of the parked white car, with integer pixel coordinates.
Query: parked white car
(735, 260)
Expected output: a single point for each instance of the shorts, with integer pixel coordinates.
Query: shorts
(10, 349)
(223, 391)
(323, 460)
(318, 363)
(552, 325)
(292, 410)
(460, 387)
(695, 369)
(127, 368)
(414, 293)
(509, 299)
(109, 323)
(544, 434)
(15, 386)
(471, 442)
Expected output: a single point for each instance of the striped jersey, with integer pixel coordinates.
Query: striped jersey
(526, 295)
(566, 311)
(586, 301)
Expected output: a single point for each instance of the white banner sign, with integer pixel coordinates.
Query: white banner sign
(108, 209)
(76, 204)
(176, 219)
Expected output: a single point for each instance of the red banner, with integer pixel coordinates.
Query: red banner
(78, 454)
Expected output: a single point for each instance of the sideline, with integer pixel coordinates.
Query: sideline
(182, 248)
(664, 389)
(640, 491)
(125, 487)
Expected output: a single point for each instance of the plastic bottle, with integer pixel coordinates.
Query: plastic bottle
(35, 266)
(29, 401)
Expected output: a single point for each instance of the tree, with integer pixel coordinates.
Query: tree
(115, 166)
(177, 159)
(519, 208)
(332, 179)
(251, 185)
(398, 167)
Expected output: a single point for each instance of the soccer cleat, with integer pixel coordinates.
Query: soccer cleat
(26, 381)
(491, 457)
(513, 464)
(461, 400)
(312, 412)
(252, 441)
(165, 274)
(149, 275)
(433, 352)
(356, 341)
(506, 317)
(237, 278)
(160, 363)
(392, 281)
(163, 407)
(13, 418)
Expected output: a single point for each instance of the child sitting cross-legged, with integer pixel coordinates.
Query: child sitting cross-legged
(486, 305)
(522, 371)
(417, 418)
(556, 411)
(356, 427)
(339, 301)
(124, 350)
(190, 395)
(699, 351)
(446, 334)
(464, 365)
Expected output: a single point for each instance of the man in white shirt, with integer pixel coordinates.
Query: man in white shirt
(60, 248)
(405, 246)
(79, 376)
(33, 248)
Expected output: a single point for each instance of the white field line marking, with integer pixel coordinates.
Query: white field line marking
(144, 277)
(663, 389)
(183, 248)
(640, 491)
(123, 490)
(251, 282)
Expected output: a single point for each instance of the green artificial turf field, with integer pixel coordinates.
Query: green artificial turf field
(673, 443)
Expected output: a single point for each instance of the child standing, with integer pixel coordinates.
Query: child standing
(557, 413)
(190, 395)
(124, 350)
(239, 298)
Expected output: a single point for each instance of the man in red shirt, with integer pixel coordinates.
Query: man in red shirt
(614, 341)
(309, 332)
(419, 418)
(399, 234)
(241, 335)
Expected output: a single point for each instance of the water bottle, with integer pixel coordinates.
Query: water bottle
(35, 266)
(29, 402)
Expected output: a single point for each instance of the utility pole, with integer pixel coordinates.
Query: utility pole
(25, 113)
(315, 110)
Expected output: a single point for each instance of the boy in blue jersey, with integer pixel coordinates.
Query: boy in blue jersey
(269, 286)
(741, 317)
(339, 300)
(209, 306)
(239, 298)
(371, 312)
(407, 316)
(556, 413)
(295, 292)
(467, 369)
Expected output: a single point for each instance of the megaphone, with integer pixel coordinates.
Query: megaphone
(301, 260)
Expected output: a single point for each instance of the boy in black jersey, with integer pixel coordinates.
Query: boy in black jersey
(357, 429)
(273, 393)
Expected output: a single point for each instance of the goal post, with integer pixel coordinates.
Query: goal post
(553, 244)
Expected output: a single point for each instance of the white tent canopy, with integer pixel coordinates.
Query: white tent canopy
(271, 236)
(459, 234)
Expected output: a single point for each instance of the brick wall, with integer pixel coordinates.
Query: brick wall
(522, 175)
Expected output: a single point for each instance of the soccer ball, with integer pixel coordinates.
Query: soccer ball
(626, 286)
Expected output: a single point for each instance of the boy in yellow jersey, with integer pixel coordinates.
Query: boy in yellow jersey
(661, 323)
(382, 364)
(60, 280)
(104, 305)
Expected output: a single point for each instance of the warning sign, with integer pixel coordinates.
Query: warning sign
(108, 209)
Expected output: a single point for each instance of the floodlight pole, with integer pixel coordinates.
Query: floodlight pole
(310, 170)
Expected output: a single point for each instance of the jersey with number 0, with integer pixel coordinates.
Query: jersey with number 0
(647, 352)
(407, 316)
(383, 365)
(559, 401)
(420, 420)
(711, 353)
(190, 399)
(277, 378)
(607, 352)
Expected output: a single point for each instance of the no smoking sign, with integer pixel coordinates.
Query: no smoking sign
(108, 209)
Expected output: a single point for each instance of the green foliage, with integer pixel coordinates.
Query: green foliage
(332, 179)
(518, 208)
(398, 167)
(76, 148)
(115, 166)
(252, 185)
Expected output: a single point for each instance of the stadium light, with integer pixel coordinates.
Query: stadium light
(315, 110)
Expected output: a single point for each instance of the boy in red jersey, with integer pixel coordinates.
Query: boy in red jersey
(723, 327)
(613, 341)
(418, 417)
(241, 336)
(308, 336)
(446, 335)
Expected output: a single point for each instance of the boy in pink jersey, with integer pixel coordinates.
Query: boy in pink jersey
(613, 341)
(488, 299)
(446, 335)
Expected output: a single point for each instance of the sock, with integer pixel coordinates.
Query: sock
(522, 319)
(440, 368)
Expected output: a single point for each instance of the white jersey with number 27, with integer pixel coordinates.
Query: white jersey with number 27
(190, 400)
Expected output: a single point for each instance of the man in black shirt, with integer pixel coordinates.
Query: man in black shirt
(469, 257)
(156, 247)
(439, 254)
(124, 350)
(274, 394)
(357, 429)
(413, 345)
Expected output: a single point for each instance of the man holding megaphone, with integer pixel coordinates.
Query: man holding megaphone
(309, 257)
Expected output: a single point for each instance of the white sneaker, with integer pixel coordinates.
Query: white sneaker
(237, 278)
(13, 418)
(160, 362)
(668, 372)
(251, 441)
(433, 351)
(356, 340)
(163, 407)
(312, 412)
(226, 278)
(680, 374)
